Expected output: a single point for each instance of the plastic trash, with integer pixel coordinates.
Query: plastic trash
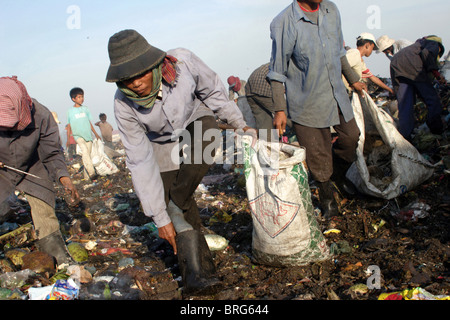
(340, 247)
(216, 242)
(412, 212)
(412, 294)
(11, 280)
(61, 290)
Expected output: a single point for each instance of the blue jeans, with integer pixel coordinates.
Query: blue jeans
(406, 96)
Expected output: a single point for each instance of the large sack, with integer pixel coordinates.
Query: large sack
(102, 163)
(285, 230)
(394, 166)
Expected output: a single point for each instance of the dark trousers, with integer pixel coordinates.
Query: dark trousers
(320, 150)
(180, 185)
(406, 96)
(261, 108)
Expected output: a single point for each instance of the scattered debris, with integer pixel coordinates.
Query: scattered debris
(121, 256)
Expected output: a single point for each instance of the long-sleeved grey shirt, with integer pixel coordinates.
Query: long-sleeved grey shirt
(147, 133)
(306, 57)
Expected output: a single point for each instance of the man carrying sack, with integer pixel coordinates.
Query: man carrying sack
(158, 94)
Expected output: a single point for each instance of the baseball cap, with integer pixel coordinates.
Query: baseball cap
(368, 36)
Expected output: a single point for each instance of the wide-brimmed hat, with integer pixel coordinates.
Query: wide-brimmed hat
(131, 55)
(384, 42)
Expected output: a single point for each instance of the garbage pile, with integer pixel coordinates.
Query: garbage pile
(118, 255)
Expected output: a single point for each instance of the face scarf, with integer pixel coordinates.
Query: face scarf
(15, 104)
(166, 71)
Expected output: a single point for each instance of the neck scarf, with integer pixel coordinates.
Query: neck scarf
(15, 104)
(166, 71)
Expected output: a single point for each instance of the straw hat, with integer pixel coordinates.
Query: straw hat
(131, 55)
(384, 42)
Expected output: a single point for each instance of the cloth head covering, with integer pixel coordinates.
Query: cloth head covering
(234, 83)
(131, 55)
(166, 71)
(15, 104)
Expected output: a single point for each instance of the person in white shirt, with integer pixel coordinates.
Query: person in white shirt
(365, 44)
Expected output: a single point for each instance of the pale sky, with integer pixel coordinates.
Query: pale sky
(52, 48)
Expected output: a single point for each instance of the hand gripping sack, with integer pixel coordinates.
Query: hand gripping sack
(102, 163)
(404, 167)
(285, 230)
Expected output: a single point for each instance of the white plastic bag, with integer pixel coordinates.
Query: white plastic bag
(408, 168)
(102, 163)
(285, 230)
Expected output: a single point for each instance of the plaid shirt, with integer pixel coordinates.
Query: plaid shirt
(258, 84)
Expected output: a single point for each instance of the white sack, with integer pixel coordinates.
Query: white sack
(285, 230)
(409, 169)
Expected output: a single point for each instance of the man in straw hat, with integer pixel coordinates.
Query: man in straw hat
(30, 142)
(391, 47)
(158, 94)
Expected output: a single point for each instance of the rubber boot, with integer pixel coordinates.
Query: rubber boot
(340, 168)
(327, 201)
(55, 246)
(196, 264)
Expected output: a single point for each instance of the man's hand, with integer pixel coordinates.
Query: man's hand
(70, 189)
(1, 165)
(280, 122)
(251, 132)
(168, 233)
(359, 87)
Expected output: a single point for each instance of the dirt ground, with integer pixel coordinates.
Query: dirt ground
(408, 253)
(127, 261)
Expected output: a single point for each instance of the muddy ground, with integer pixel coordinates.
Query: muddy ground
(127, 261)
(408, 253)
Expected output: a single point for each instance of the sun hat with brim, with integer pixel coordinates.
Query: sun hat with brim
(384, 42)
(131, 55)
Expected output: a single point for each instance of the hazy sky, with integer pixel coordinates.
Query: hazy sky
(55, 45)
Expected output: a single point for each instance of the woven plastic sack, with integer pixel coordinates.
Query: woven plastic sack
(102, 163)
(285, 229)
(408, 168)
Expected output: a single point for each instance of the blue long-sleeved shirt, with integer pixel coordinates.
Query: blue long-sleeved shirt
(147, 133)
(306, 57)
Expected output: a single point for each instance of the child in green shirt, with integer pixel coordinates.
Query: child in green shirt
(80, 126)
